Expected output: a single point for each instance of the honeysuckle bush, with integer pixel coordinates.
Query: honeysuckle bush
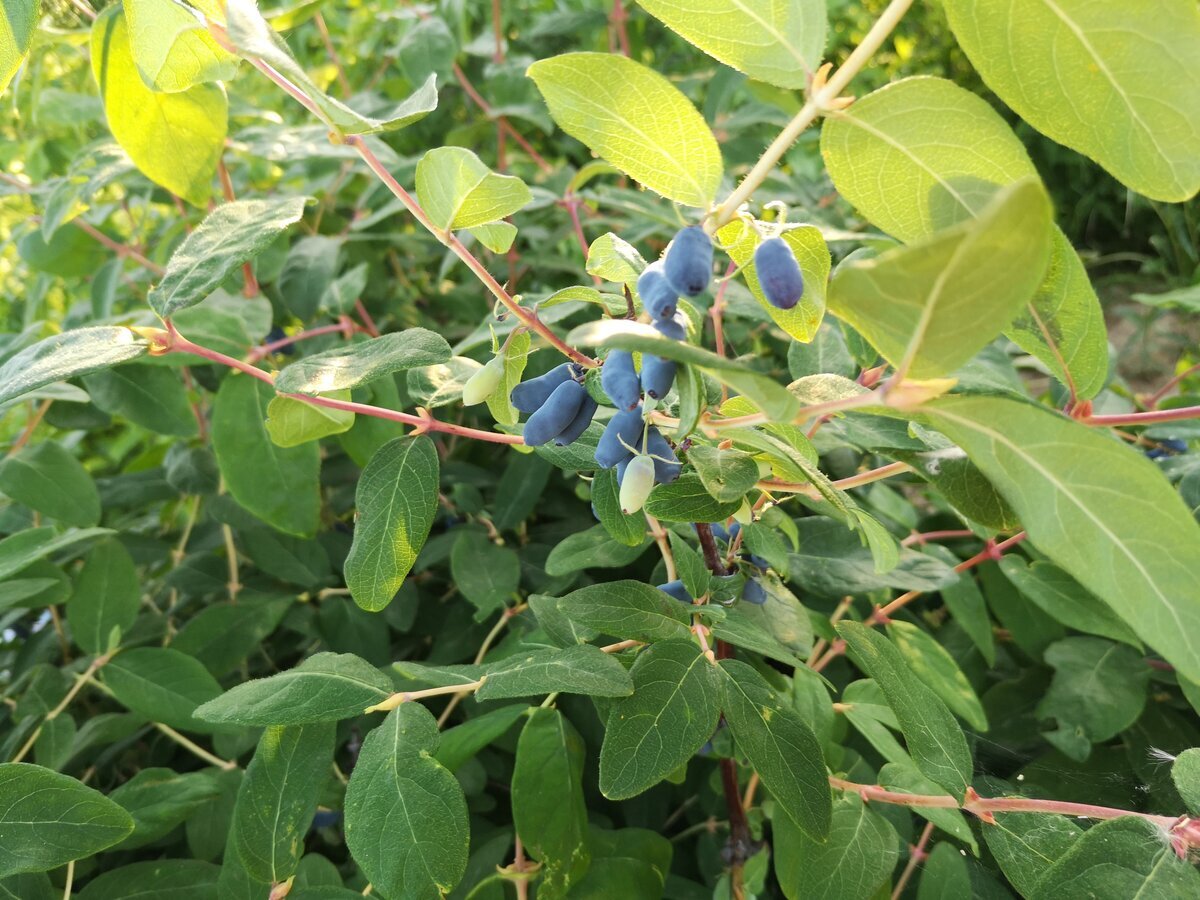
(848, 565)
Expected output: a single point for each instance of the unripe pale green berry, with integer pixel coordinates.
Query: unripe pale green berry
(481, 385)
(637, 483)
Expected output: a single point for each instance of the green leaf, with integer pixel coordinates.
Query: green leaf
(726, 474)
(802, 320)
(462, 742)
(176, 139)
(158, 879)
(325, 687)
(690, 566)
(397, 500)
(632, 863)
(150, 396)
(934, 738)
(636, 120)
(1027, 844)
(278, 797)
(49, 819)
(498, 403)
(949, 152)
(777, 41)
(487, 575)
(163, 685)
(24, 548)
(1185, 775)
(278, 485)
(1091, 520)
(406, 817)
(457, 190)
(67, 355)
(574, 670)
(853, 862)
(255, 39)
(1125, 857)
(47, 478)
(630, 610)
(1100, 77)
(673, 711)
(357, 364)
(764, 392)
(628, 530)
(593, 549)
(613, 258)
(1098, 690)
(161, 799)
(963, 485)
(548, 806)
(222, 635)
(944, 875)
(778, 629)
(172, 49)
(906, 778)
(1061, 596)
(933, 665)
(781, 747)
(833, 562)
(18, 20)
(687, 500)
(291, 423)
(107, 595)
(937, 302)
(230, 235)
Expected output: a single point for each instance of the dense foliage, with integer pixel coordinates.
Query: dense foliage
(447, 456)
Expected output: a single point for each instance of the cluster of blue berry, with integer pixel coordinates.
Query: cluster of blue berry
(559, 406)
(753, 568)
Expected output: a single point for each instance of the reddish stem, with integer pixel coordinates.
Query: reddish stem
(925, 537)
(618, 24)
(718, 316)
(345, 327)
(119, 249)
(369, 325)
(250, 289)
(1153, 399)
(917, 855)
(1146, 418)
(501, 122)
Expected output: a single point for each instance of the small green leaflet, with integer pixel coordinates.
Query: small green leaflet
(635, 119)
(673, 711)
(50, 819)
(324, 688)
(406, 816)
(161, 684)
(457, 190)
(66, 355)
(107, 596)
(397, 499)
(630, 610)
(1185, 774)
(172, 49)
(278, 796)
(574, 670)
(933, 664)
(49, 479)
(357, 364)
(854, 861)
(934, 738)
(229, 236)
(726, 474)
(1061, 596)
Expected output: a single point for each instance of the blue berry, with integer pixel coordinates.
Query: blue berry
(626, 426)
(759, 562)
(677, 590)
(659, 298)
(553, 417)
(778, 273)
(688, 263)
(619, 379)
(657, 446)
(753, 592)
(675, 327)
(658, 374)
(528, 396)
(579, 424)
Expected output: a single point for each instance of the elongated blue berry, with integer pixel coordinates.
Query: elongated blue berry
(666, 464)
(623, 428)
(528, 396)
(753, 592)
(778, 273)
(659, 298)
(677, 590)
(675, 327)
(579, 424)
(688, 263)
(555, 414)
(619, 379)
(636, 484)
(658, 374)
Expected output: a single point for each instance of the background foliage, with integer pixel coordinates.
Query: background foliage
(261, 640)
